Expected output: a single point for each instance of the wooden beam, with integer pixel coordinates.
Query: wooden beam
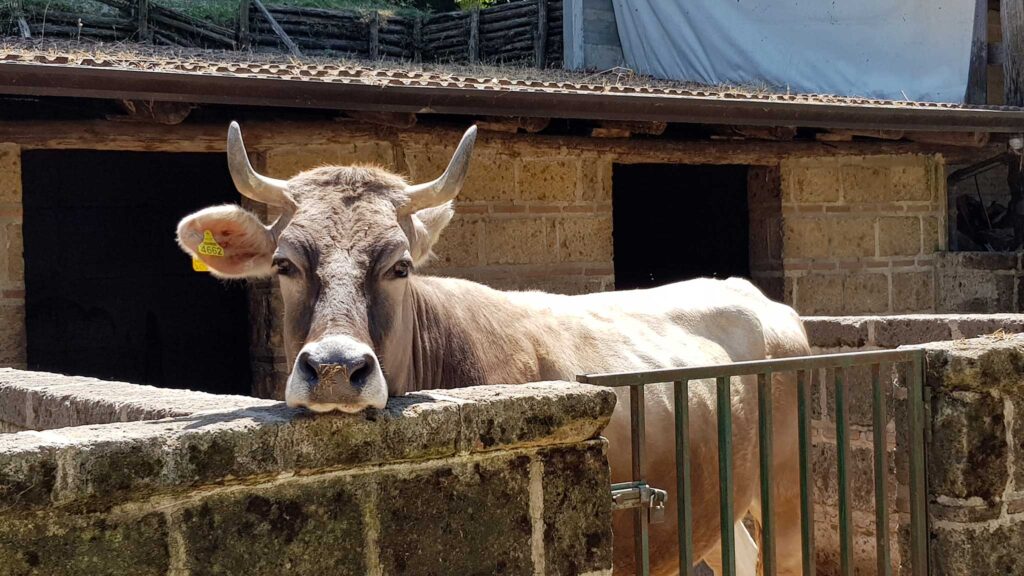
(374, 40)
(390, 119)
(541, 40)
(244, 41)
(977, 77)
(265, 135)
(292, 47)
(474, 35)
(652, 128)
(417, 39)
(166, 113)
(142, 15)
(512, 125)
(1011, 15)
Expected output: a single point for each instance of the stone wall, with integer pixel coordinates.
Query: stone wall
(12, 266)
(484, 480)
(846, 334)
(860, 235)
(979, 282)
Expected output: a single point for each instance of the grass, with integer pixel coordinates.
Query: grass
(223, 12)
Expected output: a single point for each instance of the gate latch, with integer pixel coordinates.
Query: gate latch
(627, 495)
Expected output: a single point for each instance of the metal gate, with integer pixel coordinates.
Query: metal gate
(647, 500)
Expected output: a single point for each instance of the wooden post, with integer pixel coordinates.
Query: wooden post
(977, 78)
(277, 28)
(541, 41)
(474, 35)
(417, 39)
(142, 8)
(1011, 15)
(375, 36)
(244, 41)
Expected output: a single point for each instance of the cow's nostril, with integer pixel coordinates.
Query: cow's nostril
(360, 370)
(307, 365)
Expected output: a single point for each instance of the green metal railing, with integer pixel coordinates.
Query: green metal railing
(645, 498)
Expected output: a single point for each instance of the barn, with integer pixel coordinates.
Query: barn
(837, 206)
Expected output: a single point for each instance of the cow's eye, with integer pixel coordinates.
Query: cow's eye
(283, 266)
(401, 268)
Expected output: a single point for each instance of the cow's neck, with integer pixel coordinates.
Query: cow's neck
(457, 334)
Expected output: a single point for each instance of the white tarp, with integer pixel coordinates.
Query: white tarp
(893, 49)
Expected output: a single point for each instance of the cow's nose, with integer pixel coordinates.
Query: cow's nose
(322, 365)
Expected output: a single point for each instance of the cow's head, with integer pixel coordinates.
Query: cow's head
(346, 242)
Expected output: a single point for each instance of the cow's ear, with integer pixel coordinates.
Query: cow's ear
(232, 242)
(427, 226)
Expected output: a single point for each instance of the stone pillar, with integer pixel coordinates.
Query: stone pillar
(12, 263)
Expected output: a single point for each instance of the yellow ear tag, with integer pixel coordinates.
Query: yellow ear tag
(199, 266)
(209, 246)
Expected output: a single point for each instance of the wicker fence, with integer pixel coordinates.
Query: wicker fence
(521, 31)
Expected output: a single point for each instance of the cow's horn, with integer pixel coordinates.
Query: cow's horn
(437, 192)
(249, 182)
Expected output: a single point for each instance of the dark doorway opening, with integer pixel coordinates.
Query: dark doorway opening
(676, 221)
(107, 291)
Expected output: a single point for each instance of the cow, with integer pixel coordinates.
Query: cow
(362, 324)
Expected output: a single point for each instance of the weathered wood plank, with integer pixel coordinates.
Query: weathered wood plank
(142, 19)
(277, 28)
(244, 41)
(977, 79)
(542, 34)
(417, 39)
(474, 36)
(1011, 14)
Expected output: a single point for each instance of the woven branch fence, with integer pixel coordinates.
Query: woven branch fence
(524, 32)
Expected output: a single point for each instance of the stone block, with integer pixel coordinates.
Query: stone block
(295, 527)
(931, 241)
(10, 173)
(865, 293)
(459, 244)
(860, 393)
(819, 294)
(479, 512)
(14, 249)
(884, 179)
(897, 331)
(851, 237)
(287, 162)
(805, 238)
(520, 241)
(985, 549)
(983, 325)
(825, 458)
(964, 290)
(812, 180)
(764, 187)
(585, 239)
(899, 236)
(913, 291)
(836, 331)
(12, 335)
(967, 454)
(84, 545)
(491, 175)
(547, 179)
(596, 179)
(577, 526)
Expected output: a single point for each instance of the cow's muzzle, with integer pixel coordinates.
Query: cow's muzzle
(336, 373)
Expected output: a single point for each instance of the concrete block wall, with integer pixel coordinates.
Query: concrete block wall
(860, 234)
(487, 480)
(979, 282)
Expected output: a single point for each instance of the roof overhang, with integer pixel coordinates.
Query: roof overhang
(201, 88)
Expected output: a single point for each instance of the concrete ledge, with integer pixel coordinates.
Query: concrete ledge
(43, 401)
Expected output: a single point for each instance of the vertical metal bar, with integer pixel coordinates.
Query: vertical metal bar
(806, 469)
(636, 419)
(915, 415)
(684, 506)
(764, 419)
(843, 457)
(725, 476)
(878, 424)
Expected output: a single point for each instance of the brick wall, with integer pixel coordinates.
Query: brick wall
(12, 265)
(860, 233)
